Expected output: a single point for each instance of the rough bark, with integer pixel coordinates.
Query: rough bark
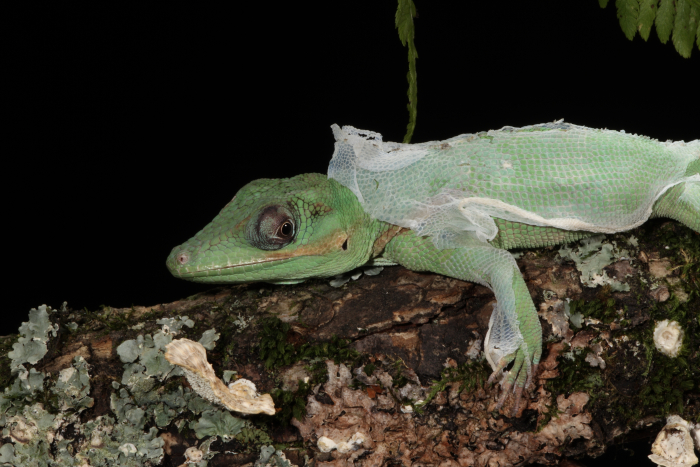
(409, 327)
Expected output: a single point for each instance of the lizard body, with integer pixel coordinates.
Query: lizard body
(452, 207)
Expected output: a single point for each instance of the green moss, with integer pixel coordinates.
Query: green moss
(670, 378)
(664, 382)
(552, 412)
(575, 375)
(291, 403)
(399, 380)
(602, 309)
(5, 347)
(682, 246)
(110, 320)
(470, 374)
(253, 438)
(275, 351)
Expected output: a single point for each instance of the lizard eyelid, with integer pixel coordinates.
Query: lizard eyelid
(273, 228)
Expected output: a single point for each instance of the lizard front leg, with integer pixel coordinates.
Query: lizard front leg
(515, 334)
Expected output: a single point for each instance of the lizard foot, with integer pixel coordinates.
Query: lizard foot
(519, 379)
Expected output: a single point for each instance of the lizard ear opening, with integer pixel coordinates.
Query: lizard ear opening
(273, 228)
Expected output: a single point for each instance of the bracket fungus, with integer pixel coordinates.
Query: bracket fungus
(674, 446)
(668, 337)
(326, 444)
(240, 396)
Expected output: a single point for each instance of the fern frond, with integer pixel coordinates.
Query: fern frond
(685, 27)
(676, 19)
(405, 13)
(645, 20)
(664, 20)
(627, 13)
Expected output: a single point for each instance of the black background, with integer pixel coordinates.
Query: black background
(128, 127)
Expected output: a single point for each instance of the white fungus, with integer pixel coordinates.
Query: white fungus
(668, 337)
(696, 435)
(673, 446)
(240, 396)
(327, 445)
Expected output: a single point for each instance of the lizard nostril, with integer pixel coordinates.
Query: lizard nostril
(183, 258)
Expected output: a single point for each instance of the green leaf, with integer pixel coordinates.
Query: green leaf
(647, 13)
(694, 25)
(627, 13)
(664, 20)
(687, 385)
(603, 3)
(405, 13)
(684, 28)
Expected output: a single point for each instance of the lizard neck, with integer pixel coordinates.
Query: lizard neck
(366, 237)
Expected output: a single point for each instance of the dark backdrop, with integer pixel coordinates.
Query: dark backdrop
(129, 127)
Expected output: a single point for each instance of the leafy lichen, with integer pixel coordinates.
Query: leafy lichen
(37, 411)
(591, 255)
(34, 334)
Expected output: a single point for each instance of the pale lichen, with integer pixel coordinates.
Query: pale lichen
(73, 386)
(591, 255)
(34, 334)
(373, 270)
(39, 437)
(39, 434)
(174, 325)
(215, 422)
(270, 457)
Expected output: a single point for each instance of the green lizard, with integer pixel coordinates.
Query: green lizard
(452, 207)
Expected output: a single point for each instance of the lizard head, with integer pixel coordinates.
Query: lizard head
(281, 231)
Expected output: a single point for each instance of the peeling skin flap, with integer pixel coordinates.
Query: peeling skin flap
(555, 174)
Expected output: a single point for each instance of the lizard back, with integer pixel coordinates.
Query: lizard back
(555, 174)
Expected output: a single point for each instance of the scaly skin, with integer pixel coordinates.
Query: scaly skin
(285, 231)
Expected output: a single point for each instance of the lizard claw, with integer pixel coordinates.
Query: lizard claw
(519, 379)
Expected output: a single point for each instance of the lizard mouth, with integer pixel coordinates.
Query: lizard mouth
(231, 267)
(249, 271)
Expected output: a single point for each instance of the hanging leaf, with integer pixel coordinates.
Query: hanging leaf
(627, 13)
(647, 13)
(664, 20)
(676, 19)
(405, 13)
(684, 28)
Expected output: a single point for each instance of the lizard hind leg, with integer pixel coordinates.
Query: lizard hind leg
(682, 203)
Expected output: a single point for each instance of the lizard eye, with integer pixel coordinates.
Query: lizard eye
(273, 228)
(286, 230)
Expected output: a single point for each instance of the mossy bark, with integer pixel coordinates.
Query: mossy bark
(412, 329)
